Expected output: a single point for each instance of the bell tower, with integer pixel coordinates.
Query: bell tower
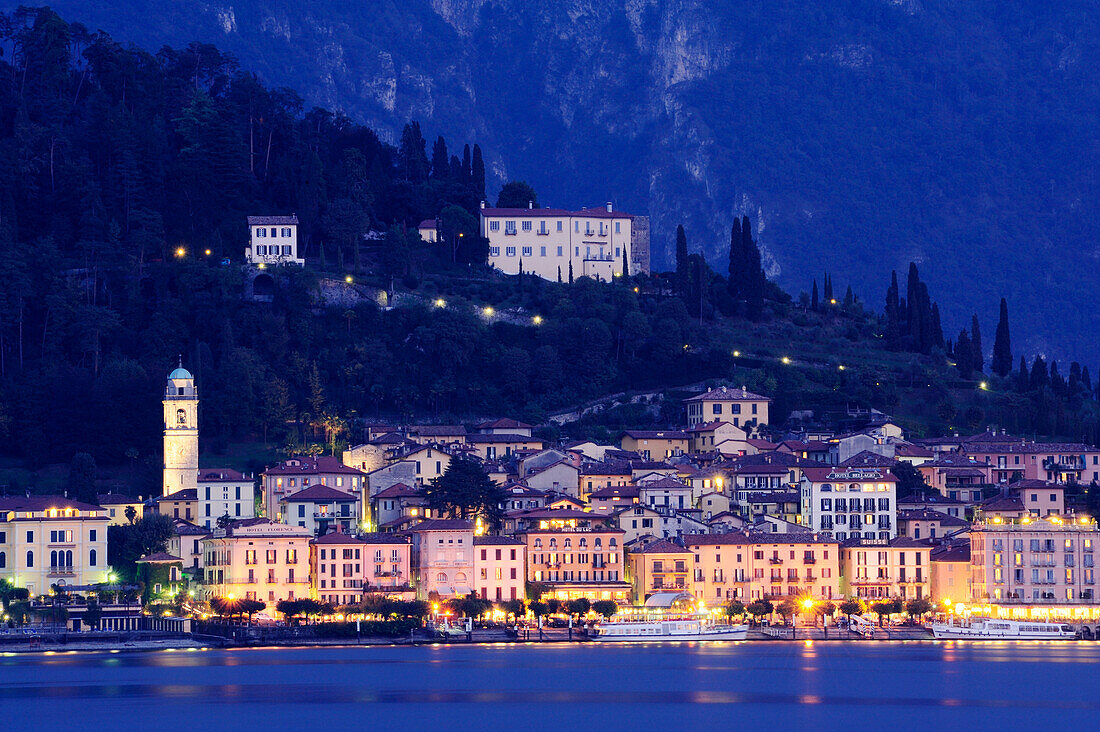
(181, 432)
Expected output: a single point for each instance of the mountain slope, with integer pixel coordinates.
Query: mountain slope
(861, 133)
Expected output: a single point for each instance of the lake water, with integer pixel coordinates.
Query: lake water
(849, 685)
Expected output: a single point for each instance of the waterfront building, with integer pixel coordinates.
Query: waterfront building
(849, 503)
(1028, 561)
(257, 559)
(749, 566)
(500, 568)
(549, 243)
(273, 240)
(950, 565)
(179, 505)
(576, 554)
(343, 568)
(225, 492)
(660, 566)
(294, 474)
(739, 406)
(52, 540)
(443, 558)
(875, 569)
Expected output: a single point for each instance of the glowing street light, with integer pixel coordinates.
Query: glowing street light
(440, 302)
(537, 320)
(180, 251)
(984, 386)
(737, 354)
(348, 279)
(208, 252)
(840, 367)
(786, 360)
(487, 311)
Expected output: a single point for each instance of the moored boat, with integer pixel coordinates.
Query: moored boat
(1003, 630)
(682, 629)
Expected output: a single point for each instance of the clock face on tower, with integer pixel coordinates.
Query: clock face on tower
(180, 451)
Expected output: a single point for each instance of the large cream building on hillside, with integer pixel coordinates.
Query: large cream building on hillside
(594, 241)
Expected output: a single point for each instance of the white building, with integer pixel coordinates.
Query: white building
(595, 241)
(257, 559)
(273, 240)
(48, 540)
(225, 492)
(850, 503)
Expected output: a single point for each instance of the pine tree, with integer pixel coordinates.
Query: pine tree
(733, 284)
(893, 315)
(682, 273)
(477, 173)
(1002, 345)
(976, 340)
(814, 304)
(412, 160)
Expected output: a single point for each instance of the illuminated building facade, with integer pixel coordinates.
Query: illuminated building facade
(48, 540)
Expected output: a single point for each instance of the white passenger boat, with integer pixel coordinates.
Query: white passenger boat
(1003, 630)
(685, 629)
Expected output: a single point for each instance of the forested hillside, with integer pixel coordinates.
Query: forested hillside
(865, 134)
(127, 179)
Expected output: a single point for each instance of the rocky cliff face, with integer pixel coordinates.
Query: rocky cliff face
(858, 134)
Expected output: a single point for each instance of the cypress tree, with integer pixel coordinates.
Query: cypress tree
(1039, 377)
(754, 273)
(477, 173)
(1023, 379)
(828, 293)
(814, 305)
(682, 273)
(466, 177)
(893, 315)
(849, 298)
(937, 327)
(1002, 344)
(1086, 382)
(976, 340)
(559, 274)
(964, 359)
(570, 271)
(912, 316)
(924, 333)
(441, 161)
(736, 265)
(626, 265)
(1057, 383)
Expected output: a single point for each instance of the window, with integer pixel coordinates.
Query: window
(526, 225)
(261, 233)
(286, 232)
(559, 251)
(527, 251)
(30, 559)
(494, 251)
(542, 251)
(559, 231)
(509, 251)
(292, 558)
(509, 228)
(4, 559)
(494, 226)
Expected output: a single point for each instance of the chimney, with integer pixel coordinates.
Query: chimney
(483, 205)
(744, 391)
(609, 206)
(530, 204)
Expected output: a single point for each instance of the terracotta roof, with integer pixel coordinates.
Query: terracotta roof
(437, 430)
(187, 494)
(772, 497)
(855, 474)
(426, 224)
(496, 541)
(656, 434)
(320, 493)
(592, 213)
(475, 439)
(325, 464)
(728, 394)
(272, 220)
(664, 546)
(384, 539)
(397, 490)
(158, 558)
(927, 514)
(664, 484)
(336, 537)
(443, 525)
(186, 528)
(114, 499)
(615, 491)
(738, 537)
(900, 542)
(908, 449)
(504, 424)
(953, 552)
(868, 459)
(1003, 503)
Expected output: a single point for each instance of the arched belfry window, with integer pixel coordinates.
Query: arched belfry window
(181, 416)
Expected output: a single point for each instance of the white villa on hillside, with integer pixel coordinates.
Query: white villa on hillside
(273, 240)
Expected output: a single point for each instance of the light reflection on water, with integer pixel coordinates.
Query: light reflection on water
(559, 685)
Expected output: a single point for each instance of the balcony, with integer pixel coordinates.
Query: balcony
(61, 572)
(775, 560)
(1071, 465)
(809, 560)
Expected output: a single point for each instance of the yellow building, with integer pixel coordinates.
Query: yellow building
(495, 447)
(739, 406)
(181, 433)
(879, 568)
(116, 505)
(659, 567)
(577, 557)
(951, 573)
(753, 566)
(656, 444)
(257, 559)
(48, 540)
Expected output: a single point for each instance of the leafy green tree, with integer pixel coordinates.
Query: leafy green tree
(93, 613)
(580, 606)
(130, 542)
(517, 194)
(786, 609)
(734, 609)
(909, 478)
(851, 606)
(760, 608)
(539, 608)
(918, 607)
(606, 608)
